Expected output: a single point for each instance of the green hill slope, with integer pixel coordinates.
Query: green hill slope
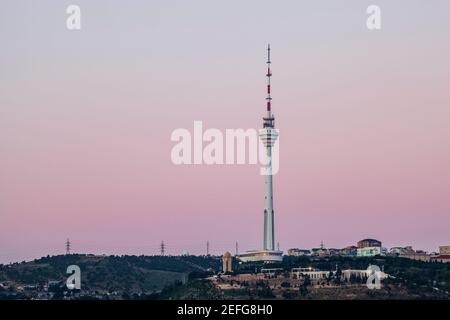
(121, 274)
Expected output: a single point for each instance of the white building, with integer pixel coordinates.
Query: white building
(261, 255)
(371, 251)
(347, 274)
(312, 273)
(295, 252)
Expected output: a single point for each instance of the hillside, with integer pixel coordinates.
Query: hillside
(122, 275)
(184, 277)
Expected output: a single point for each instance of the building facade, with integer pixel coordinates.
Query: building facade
(227, 263)
(441, 258)
(418, 255)
(444, 250)
(444, 255)
(371, 251)
(368, 243)
(311, 273)
(349, 251)
(295, 252)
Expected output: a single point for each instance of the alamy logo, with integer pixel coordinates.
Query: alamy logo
(374, 279)
(374, 20)
(74, 280)
(236, 146)
(73, 21)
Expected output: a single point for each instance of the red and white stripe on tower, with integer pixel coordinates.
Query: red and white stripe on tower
(269, 120)
(269, 74)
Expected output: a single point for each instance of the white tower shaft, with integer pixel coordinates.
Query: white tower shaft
(269, 234)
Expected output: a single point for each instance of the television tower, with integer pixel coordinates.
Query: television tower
(207, 248)
(268, 136)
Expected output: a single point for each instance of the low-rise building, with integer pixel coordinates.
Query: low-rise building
(321, 251)
(334, 251)
(311, 273)
(371, 251)
(272, 271)
(397, 251)
(361, 274)
(419, 255)
(296, 252)
(441, 258)
(444, 250)
(349, 251)
(266, 256)
(409, 253)
(366, 243)
(370, 248)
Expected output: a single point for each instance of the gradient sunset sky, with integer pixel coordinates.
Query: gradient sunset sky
(86, 118)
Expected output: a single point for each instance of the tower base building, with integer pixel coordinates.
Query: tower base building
(261, 256)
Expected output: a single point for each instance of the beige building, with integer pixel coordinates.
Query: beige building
(444, 250)
(227, 262)
(421, 256)
(441, 258)
(295, 252)
(313, 274)
(444, 255)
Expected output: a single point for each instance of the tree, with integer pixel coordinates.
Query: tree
(303, 290)
(338, 276)
(266, 292)
(307, 281)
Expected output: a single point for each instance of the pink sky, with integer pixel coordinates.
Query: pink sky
(86, 119)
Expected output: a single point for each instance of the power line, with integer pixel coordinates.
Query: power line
(163, 247)
(68, 246)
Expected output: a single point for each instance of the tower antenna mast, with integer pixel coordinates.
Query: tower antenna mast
(269, 75)
(269, 121)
